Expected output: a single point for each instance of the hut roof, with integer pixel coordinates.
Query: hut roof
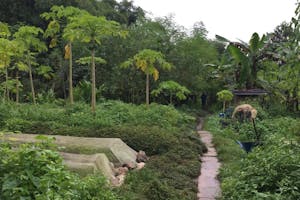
(250, 92)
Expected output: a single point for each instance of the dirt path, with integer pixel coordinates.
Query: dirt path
(208, 185)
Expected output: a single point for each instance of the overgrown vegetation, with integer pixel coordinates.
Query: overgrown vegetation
(164, 133)
(33, 171)
(270, 170)
(74, 29)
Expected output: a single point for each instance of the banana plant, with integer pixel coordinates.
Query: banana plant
(247, 57)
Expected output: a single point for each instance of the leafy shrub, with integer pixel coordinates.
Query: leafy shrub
(35, 172)
(270, 172)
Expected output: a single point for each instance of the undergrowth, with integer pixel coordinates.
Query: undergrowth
(269, 171)
(164, 133)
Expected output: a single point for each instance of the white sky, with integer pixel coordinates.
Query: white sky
(233, 19)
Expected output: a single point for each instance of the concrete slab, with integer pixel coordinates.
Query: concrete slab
(122, 152)
(88, 164)
(103, 151)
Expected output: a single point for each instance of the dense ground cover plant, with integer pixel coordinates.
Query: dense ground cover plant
(34, 171)
(164, 133)
(270, 171)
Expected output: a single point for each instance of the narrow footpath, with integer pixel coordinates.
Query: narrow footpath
(208, 185)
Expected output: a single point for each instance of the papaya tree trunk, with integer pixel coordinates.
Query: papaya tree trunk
(147, 89)
(17, 87)
(31, 82)
(6, 83)
(71, 76)
(93, 71)
(224, 105)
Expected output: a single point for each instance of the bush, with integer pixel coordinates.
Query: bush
(35, 172)
(270, 172)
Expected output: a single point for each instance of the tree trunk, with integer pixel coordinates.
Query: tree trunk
(31, 82)
(171, 97)
(71, 76)
(93, 71)
(6, 83)
(147, 89)
(224, 105)
(17, 87)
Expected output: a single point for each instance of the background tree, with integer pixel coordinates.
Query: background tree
(148, 61)
(27, 36)
(8, 49)
(225, 96)
(191, 55)
(92, 30)
(171, 89)
(59, 16)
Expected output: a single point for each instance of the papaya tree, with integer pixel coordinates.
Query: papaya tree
(6, 52)
(19, 66)
(171, 89)
(225, 96)
(59, 16)
(148, 61)
(92, 30)
(8, 49)
(28, 37)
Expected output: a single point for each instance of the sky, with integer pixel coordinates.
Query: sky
(232, 19)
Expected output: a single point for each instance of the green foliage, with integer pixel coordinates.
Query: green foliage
(247, 59)
(4, 30)
(28, 36)
(225, 95)
(171, 88)
(46, 97)
(45, 71)
(34, 172)
(161, 131)
(92, 29)
(113, 119)
(88, 60)
(147, 61)
(270, 171)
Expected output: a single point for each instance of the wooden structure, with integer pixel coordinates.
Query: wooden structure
(241, 94)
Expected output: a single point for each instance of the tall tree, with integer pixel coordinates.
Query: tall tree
(8, 49)
(92, 30)
(148, 61)
(59, 16)
(28, 37)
